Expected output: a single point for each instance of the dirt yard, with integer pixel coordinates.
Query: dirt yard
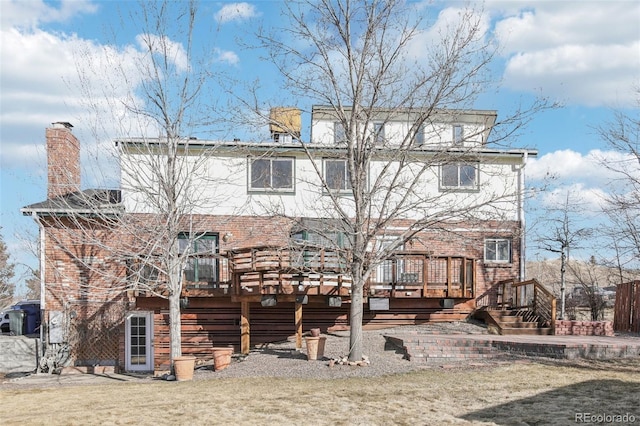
(517, 393)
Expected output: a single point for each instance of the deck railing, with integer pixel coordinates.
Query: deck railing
(269, 270)
(533, 296)
(415, 274)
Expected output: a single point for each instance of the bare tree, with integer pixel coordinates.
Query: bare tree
(154, 106)
(358, 59)
(589, 276)
(7, 287)
(559, 235)
(622, 135)
(32, 283)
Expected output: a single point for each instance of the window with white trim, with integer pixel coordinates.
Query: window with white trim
(336, 175)
(497, 250)
(418, 137)
(459, 176)
(378, 133)
(339, 133)
(458, 134)
(202, 264)
(271, 174)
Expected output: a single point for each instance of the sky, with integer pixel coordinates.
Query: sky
(583, 54)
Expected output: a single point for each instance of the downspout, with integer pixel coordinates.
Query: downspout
(521, 216)
(43, 327)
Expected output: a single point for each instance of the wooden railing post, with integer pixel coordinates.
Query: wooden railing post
(245, 328)
(464, 276)
(425, 275)
(449, 273)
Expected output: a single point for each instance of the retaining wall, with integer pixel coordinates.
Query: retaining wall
(584, 328)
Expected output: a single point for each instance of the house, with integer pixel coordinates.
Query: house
(269, 255)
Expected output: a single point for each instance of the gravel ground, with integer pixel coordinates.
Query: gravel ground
(283, 360)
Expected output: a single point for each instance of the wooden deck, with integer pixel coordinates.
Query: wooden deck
(257, 271)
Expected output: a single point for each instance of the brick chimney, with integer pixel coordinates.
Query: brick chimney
(63, 159)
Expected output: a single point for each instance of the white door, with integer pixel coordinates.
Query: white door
(138, 333)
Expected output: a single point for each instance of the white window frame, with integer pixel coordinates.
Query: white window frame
(339, 133)
(148, 362)
(457, 135)
(346, 183)
(378, 133)
(419, 135)
(459, 167)
(270, 188)
(491, 245)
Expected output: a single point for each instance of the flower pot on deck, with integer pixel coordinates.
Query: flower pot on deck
(315, 347)
(221, 358)
(183, 367)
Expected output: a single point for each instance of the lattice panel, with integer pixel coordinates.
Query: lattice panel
(95, 331)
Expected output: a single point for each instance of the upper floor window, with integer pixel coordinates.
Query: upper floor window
(339, 133)
(460, 176)
(458, 134)
(336, 175)
(271, 174)
(282, 138)
(497, 250)
(418, 137)
(201, 263)
(378, 133)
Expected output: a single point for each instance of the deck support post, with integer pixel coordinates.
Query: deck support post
(298, 319)
(245, 328)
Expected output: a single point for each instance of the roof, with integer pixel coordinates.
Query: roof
(89, 201)
(244, 147)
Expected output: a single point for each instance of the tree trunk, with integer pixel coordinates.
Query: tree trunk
(174, 326)
(355, 320)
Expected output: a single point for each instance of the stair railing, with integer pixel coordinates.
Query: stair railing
(533, 296)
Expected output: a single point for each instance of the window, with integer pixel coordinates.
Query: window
(336, 175)
(457, 134)
(418, 137)
(378, 133)
(202, 264)
(462, 176)
(271, 174)
(339, 133)
(497, 250)
(282, 138)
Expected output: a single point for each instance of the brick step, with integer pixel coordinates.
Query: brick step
(523, 324)
(537, 331)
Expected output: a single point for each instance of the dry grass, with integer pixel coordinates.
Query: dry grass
(518, 393)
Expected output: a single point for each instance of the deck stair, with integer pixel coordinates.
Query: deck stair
(514, 321)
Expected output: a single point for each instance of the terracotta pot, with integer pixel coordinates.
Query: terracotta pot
(183, 367)
(221, 358)
(315, 332)
(315, 347)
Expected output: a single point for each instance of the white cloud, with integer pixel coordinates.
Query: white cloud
(166, 48)
(579, 52)
(29, 14)
(568, 165)
(236, 12)
(584, 200)
(227, 56)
